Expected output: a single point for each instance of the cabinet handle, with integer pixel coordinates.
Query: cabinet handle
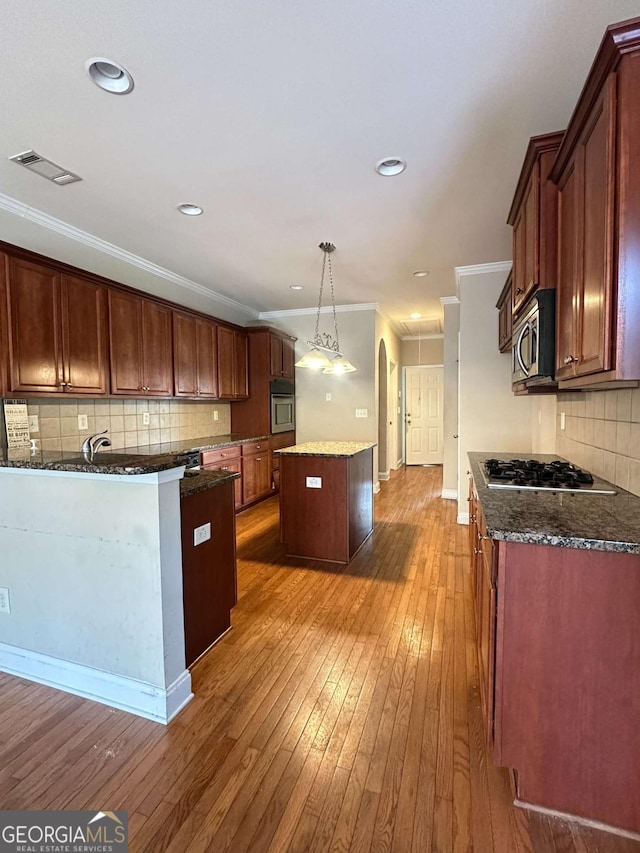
(259, 459)
(477, 551)
(570, 359)
(483, 538)
(519, 290)
(63, 384)
(69, 385)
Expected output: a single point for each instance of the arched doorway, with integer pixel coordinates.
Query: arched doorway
(383, 419)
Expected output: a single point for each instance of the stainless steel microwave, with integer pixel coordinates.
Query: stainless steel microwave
(534, 340)
(283, 406)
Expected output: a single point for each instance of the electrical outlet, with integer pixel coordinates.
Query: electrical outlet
(5, 604)
(34, 426)
(562, 420)
(83, 422)
(362, 413)
(327, 397)
(216, 415)
(314, 482)
(145, 419)
(202, 534)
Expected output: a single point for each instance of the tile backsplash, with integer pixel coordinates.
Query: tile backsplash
(602, 434)
(169, 420)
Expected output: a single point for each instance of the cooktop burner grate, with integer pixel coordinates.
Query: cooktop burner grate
(534, 475)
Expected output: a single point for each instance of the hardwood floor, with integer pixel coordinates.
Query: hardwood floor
(342, 713)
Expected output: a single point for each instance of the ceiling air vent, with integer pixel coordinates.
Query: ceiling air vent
(45, 168)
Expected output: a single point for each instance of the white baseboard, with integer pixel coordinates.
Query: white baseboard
(117, 691)
(376, 487)
(463, 518)
(384, 475)
(449, 494)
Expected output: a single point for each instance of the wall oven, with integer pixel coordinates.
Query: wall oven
(534, 340)
(283, 406)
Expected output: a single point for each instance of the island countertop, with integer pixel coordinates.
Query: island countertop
(326, 448)
(588, 521)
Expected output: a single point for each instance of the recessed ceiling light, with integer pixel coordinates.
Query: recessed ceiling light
(421, 273)
(190, 209)
(296, 286)
(390, 166)
(109, 75)
(416, 316)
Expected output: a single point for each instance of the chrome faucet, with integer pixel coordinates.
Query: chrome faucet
(94, 442)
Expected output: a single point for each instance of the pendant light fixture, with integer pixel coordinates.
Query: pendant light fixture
(325, 352)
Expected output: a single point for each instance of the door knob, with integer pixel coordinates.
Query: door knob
(455, 435)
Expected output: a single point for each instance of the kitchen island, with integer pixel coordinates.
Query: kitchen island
(326, 499)
(556, 580)
(93, 563)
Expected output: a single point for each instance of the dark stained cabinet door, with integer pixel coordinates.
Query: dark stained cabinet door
(226, 362)
(597, 165)
(526, 243)
(519, 236)
(256, 476)
(281, 357)
(35, 327)
(275, 343)
(288, 358)
(157, 349)
(241, 365)
(566, 346)
(125, 325)
(207, 359)
(84, 336)
(185, 355)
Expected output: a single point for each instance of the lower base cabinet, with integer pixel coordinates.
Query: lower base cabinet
(558, 653)
(208, 569)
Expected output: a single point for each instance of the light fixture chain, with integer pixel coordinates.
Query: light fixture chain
(324, 261)
(333, 304)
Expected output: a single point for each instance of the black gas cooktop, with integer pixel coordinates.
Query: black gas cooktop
(530, 474)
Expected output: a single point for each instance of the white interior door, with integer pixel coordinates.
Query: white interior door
(424, 415)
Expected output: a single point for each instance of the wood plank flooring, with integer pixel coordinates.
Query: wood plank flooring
(341, 714)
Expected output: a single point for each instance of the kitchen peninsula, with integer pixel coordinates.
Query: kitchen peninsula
(94, 567)
(326, 499)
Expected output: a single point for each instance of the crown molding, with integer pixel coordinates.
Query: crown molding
(480, 269)
(16, 207)
(449, 300)
(394, 325)
(436, 337)
(326, 309)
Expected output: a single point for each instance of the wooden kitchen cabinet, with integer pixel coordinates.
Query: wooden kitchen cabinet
(226, 459)
(57, 331)
(195, 363)
(256, 471)
(597, 171)
(141, 346)
(271, 356)
(533, 216)
(232, 364)
(505, 315)
(278, 442)
(209, 586)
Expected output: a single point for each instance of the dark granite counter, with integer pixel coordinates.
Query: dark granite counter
(200, 481)
(583, 520)
(146, 459)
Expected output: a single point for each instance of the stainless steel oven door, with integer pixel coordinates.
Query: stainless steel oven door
(521, 352)
(283, 413)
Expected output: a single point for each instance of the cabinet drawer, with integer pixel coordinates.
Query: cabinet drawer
(255, 447)
(212, 456)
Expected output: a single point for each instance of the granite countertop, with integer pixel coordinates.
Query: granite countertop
(327, 448)
(200, 481)
(145, 459)
(583, 520)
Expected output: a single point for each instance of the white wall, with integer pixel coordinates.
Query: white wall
(422, 351)
(94, 571)
(450, 361)
(491, 418)
(393, 345)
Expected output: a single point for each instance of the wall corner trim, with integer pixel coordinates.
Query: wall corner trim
(127, 694)
(384, 475)
(376, 487)
(463, 518)
(480, 269)
(449, 494)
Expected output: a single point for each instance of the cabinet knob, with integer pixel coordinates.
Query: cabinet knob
(570, 359)
(259, 459)
(63, 384)
(519, 290)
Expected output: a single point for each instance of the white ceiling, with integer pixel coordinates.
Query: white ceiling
(272, 116)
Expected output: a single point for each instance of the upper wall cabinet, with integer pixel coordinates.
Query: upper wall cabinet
(597, 171)
(195, 360)
(57, 331)
(533, 216)
(141, 346)
(505, 316)
(282, 350)
(233, 379)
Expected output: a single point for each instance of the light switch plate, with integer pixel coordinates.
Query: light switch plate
(5, 604)
(314, 482)
(34, 426)
(83, 422)
(562, 420)
(202, 534)
(362, 413)
(145, 419)
(216, 415)
(327, 397)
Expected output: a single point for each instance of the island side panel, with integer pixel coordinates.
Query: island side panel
(314, 522)
(360, 499)
(568, 647)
